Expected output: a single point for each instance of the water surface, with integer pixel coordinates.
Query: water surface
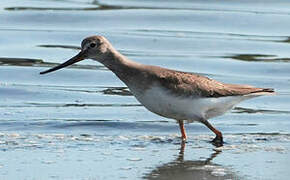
(83, 123)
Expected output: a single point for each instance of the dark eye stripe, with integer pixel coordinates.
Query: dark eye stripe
(92, 45)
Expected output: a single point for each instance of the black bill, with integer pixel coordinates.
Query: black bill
(80, 56)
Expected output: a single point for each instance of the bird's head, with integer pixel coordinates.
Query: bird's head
(93, 47)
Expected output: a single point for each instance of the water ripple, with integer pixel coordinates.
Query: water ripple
(39, 104)
(5, 61)
(254, 111)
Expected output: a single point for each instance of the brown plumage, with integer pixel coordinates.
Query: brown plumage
(188, 84)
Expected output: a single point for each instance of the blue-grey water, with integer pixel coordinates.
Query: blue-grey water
(82, 122)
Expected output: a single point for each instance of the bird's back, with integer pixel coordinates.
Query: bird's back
(189, 84)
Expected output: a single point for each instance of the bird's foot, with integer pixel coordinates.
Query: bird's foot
(218, 141)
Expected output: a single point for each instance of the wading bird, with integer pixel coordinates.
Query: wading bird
(172, 94)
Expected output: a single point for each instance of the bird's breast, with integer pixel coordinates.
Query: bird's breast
(167, 104)
(162, 102)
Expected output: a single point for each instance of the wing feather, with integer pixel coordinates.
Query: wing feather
(187, 84)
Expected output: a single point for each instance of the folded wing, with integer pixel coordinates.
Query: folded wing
(187, 84)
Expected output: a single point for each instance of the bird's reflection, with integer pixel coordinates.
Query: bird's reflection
(191, 169)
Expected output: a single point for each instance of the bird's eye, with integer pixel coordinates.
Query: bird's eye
(92, 45)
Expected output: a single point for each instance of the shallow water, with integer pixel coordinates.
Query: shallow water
(83, 123)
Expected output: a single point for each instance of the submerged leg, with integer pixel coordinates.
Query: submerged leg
(182, 130)
(219, 137)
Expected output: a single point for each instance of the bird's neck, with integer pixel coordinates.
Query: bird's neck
(120, 65)
(115, 61)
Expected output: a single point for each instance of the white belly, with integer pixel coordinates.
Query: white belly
(166, 104)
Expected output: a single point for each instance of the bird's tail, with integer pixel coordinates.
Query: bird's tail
(262, 91)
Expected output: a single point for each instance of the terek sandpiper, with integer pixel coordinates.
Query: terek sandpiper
(172, 94)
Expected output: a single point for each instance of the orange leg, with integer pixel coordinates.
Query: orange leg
(182, 130)
(219, 137)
